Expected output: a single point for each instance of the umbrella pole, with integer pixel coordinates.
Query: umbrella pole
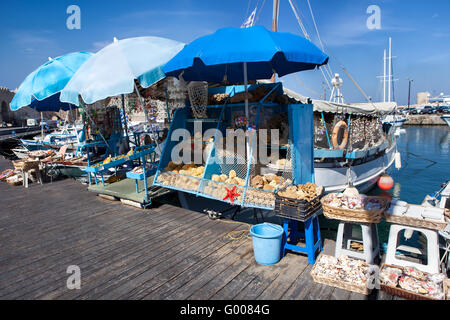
(42, 127)
(246, 108)
(147, 118)
(125, 122)
(246, 89)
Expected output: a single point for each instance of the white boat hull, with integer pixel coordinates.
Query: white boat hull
(363, 176)
(446, 118)
(395, 121)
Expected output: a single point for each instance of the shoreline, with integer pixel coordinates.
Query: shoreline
(425, 120)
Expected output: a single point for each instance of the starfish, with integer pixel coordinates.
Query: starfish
(231, 194)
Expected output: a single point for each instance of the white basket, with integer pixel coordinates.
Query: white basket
(198, 96)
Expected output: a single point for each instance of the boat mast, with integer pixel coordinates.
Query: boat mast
(384, 76)
(274, 26)
(390, 69)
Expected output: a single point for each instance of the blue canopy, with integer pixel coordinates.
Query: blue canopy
(48, 79)
(51, 103)
(220, 56)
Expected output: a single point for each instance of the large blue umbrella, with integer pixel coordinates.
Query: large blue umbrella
(47, 81)
(225, 54)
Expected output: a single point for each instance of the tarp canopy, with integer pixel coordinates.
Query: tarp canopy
(353, 108)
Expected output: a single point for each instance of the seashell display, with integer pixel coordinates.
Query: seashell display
(186, 169)
(308, 192)
(182, 182)
(343, 268)
(360, 202)
(414, 280)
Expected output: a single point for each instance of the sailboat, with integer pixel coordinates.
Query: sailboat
(394, 119)
(357, 161)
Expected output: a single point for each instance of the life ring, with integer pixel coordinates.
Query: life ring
(341, 124)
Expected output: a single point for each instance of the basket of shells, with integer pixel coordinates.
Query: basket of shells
(353, 207)
(343, 272)
(298, 202)
(25, 164)
(411, 283)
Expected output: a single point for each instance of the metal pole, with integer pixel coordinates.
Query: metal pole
(125, 121)
(409, 91)
(42, 127)
(274, 26)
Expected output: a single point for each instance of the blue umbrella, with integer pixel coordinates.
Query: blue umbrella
(225, 54)
(48, 80)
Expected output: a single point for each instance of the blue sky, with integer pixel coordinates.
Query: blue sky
(32, 31)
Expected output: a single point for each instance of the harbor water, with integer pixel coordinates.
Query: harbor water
(425, 154)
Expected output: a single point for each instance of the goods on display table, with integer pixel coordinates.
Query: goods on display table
(342, 272)
(353, 208)
(298, 202)
(411, 283)
(400, 212)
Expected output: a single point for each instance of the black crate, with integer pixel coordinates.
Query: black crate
(300, 210)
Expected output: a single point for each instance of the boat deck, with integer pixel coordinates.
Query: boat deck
(165, 252)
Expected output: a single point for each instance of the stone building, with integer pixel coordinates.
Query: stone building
(15, 118)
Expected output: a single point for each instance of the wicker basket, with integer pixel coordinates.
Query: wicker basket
(414, 222)
(25, 164)
(402, 293)
(363, 289)
(295, 209)
(354, 215)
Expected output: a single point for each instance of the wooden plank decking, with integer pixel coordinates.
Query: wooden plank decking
(127, 253)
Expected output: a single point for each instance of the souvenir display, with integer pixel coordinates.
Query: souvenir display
(401, 212)
(414, 280)
(308, 192)
(269, 182)
(360, 202)
(218, 98)
(180, 181)
(186, 169)
(343, 272)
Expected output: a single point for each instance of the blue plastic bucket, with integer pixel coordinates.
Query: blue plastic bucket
(267, 239)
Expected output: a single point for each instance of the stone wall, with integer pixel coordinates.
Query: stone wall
(17, 118)
(431, 119)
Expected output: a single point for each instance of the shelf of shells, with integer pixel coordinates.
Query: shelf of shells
(185, 177)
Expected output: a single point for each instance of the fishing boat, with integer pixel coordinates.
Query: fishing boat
(396, 120)
(364, 159)
(69, 135)
(361, 164)
(446, 118)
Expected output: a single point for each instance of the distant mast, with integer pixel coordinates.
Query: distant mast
(387, 79)
(389, 69)
(384, 76)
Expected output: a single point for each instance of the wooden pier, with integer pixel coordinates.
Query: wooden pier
(165, 252)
